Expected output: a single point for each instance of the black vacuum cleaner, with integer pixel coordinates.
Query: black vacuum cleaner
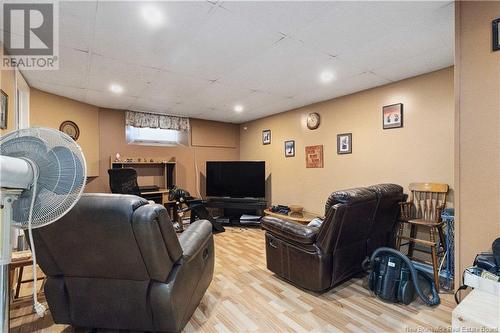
(393, 278)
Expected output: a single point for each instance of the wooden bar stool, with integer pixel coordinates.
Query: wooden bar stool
(427, 201)
(20, 260)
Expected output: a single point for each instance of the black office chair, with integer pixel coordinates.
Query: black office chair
(124, 181)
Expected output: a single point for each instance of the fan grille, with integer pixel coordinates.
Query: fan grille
(61, 173)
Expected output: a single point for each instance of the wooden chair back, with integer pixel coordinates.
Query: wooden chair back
(428, 199)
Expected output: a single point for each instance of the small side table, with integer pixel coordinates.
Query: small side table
(302, 218)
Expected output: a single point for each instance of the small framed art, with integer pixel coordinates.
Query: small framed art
(344, 143)
(266, 137)
(496, 34)
(314, 156)
(290, 148)
(392, 116)
(4, 109)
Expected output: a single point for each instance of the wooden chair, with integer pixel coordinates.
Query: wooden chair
(427, 201)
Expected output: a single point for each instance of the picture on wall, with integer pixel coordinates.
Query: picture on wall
(314, 156)
(290, 148)
(266, 137)
(344, 143)
(496, 34)
(4, 109)
(392, 116)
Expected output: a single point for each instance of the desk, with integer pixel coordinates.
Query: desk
(302, 218)
(169, 205)
(157, 172)
(162, 191)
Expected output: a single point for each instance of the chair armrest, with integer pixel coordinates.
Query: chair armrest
(293, 231)
(405, 210)
(194, 238)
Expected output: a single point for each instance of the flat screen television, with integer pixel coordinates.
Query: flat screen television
(238, 179)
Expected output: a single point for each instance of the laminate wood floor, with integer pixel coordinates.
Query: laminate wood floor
(245, 297)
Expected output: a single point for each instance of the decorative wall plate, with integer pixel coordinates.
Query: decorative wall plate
(70, 128)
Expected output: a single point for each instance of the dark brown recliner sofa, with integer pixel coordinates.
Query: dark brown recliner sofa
(317, 258)
(115, 262)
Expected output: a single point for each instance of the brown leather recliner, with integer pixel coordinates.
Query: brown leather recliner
(318, 258)
(115, 262)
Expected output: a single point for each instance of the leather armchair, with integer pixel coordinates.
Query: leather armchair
(319, 258)
(115, 262)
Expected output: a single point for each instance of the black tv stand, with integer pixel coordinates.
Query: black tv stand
(235, 207)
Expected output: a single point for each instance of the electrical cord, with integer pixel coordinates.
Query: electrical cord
(39, 307)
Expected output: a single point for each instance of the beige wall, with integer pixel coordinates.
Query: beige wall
(421, 151)
(8, 85)
(206, 133)
(112, 141)
(477, 143)
(49, 110)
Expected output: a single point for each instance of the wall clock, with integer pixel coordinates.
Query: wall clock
(70, 128)
(313, 120)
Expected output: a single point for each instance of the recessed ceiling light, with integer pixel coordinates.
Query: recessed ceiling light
(116, 88)
(238, 108)
(326, 76)
(153, 16)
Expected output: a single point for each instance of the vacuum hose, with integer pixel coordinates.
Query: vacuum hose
(435, 295)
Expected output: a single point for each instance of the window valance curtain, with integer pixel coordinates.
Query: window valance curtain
(141, 119)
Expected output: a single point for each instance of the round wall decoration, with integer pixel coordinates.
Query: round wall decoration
(313, 120)
(70, 128)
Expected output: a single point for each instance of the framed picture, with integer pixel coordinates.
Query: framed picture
(392, 116)
(344, 143)
(266, 137)
(314, 156)
(290, 148)
(4, 110)
(496, 34)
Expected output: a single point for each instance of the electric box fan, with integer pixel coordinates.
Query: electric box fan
(42, 176)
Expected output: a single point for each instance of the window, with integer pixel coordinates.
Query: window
(155, 136)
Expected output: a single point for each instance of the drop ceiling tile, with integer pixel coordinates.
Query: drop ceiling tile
(109, 100)
(133, 78)
(72, 70)
(221, 96)
(150, 105)
(287, 69)
(224, 43)
(425, 62)
(347, 25)
(76, 24)
(195, 110)
(285, 17)
(122, 33)
(174, 87)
